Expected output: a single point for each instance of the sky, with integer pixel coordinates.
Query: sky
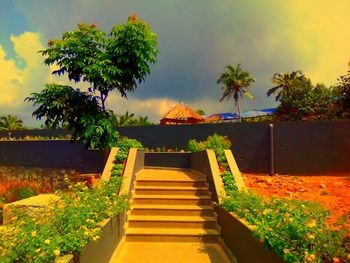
(196, 40)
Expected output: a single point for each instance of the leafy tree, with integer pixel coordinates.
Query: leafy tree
(117, 61)
(79, 111)
(283, 81)
(305, 101)
(10, 123)
(235, 83)
(343, 95)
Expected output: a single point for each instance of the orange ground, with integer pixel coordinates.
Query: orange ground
(332, 191)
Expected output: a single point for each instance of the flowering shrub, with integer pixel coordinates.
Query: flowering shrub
(293, 229)
(66, 227)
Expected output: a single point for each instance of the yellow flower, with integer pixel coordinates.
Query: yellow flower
(312, 223)
(47, 241)
(310, 258)
(285, 251)
(310, 236)
(56, 252)
(33, 233)
(266, 211)
(38, 250)
(95, 238)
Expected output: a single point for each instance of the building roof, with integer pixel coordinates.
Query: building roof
(182, 112)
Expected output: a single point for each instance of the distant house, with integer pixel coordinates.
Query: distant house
(181, 114)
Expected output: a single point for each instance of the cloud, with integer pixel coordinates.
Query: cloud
(16, 82)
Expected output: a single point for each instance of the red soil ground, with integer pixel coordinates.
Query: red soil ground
(331, 191)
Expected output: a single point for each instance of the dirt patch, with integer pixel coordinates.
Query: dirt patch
(331, 191)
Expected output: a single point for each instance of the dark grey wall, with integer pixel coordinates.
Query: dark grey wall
(317, 147)
(312, 147)
(175, 160)
(34, 133)
(250, 142)
(51, 154)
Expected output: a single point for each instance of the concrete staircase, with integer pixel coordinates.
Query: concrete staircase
(171, 205)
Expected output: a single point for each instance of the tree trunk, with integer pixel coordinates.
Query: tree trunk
(239, 111)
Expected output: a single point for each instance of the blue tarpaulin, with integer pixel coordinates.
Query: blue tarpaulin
(247, 114)
(226, 116)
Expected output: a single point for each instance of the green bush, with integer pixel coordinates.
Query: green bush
(125, 143)
(24, 192)
(216, 142)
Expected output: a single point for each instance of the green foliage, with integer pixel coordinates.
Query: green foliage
(66, 227)
(79, 111)
(118, 60)
(10, 123)
(124, 144)
(216, 142)
(294, 229)
(200, 112)
(283, 82)
(343, 95)
(305, 101)
(229, 181)
(128, 119)
(24, 192)
(235, 83)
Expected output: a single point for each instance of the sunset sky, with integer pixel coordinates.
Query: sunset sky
(196, 39)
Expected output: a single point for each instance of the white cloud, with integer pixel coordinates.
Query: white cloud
(17, 82)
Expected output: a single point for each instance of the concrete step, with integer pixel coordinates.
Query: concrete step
(171, 190)
(174, 210)
(160, 252)
(171, 235)
(172, 199)
(172, 222)
(170, 183)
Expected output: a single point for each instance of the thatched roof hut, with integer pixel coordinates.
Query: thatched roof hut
(181, 114)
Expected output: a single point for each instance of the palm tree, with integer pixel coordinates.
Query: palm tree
(10, 123)
(142, 121)
(124, 120)
(283, 81)
(235, 82)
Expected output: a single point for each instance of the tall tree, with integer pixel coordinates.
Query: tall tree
(283, 81)
(10, 123)
(117, 61)
(235, 83)
(305, 101)
(343, 95)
